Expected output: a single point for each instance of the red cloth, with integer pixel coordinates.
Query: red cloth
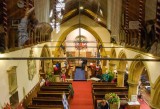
(55, 68)
(46, 83)
(63, 76)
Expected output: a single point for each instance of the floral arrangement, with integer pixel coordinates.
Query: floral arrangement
(50, 77)
(112, 98)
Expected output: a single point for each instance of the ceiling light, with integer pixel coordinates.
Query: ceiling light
(51, 13)
(101, 12)
(99, 19)
(81, 7)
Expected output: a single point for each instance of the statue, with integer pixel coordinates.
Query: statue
(31, 66)
(22, 28)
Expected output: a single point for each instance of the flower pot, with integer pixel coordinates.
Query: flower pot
(113, 106)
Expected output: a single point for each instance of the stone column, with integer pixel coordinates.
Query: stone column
(112, 66)
(109, 13)
(132, 89)
(154, 102)
(120, 78)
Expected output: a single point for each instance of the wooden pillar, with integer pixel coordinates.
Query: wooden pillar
(133, 88)
(5, 23)
(158, 20)
(126, 24)
(120, 78)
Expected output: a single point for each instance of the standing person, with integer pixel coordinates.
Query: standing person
(84, 62)
(63, 76)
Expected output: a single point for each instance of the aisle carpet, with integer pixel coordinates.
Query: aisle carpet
(82, 95)
(79, 74)
(143, 105)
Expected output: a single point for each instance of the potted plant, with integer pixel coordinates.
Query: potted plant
(50, 77)
(113, 100)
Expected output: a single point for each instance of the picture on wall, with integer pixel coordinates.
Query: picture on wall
(12, 78)
(31, 66)
(15, 22)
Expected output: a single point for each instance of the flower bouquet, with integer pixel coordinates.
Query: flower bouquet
(113, 100)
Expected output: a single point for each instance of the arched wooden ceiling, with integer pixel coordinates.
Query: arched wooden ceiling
(93, 6)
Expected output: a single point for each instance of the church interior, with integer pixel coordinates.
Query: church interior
(79, 54)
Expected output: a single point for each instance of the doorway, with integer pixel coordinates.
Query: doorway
(79, 74)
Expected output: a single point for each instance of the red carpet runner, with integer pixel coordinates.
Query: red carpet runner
(82, 95)
(143, 105)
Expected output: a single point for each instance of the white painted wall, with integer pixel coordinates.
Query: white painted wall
(72, 36)
(22, 73)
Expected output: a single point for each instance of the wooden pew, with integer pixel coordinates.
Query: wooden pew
(51, 94)
(123, 101)
(50, 88)
(58, 86)
(54, 91)
(110, 89)
(59, 83)
(102, 94)
(45, 107)
(107, 83)
(103, 85)
(101, 88)
(47, 101)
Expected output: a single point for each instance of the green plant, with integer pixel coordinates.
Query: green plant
(50, 77)
(112, 98)
(111, 75)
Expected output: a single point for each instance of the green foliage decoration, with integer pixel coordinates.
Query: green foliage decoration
(112, 98)
(111, 76)
(50, 77)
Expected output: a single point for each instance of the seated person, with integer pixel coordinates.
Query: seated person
(105, 77)
(103, 105)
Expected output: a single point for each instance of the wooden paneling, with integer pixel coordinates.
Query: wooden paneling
(88, 54)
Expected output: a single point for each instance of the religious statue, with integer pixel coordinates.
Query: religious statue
(22, 28)
(31, 66)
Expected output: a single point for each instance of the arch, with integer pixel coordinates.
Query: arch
(46, 65)
(122, 64)
(156, 94)
(66, 32)
(45, 51)
(113, 53)
(135, 71)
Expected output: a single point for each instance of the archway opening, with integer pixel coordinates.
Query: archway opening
(139, 80)
(144, 89)
(46, 66)
(123, 66)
